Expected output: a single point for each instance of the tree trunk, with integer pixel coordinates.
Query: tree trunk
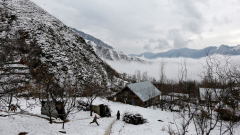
(161, 104)
(10, 102)
(49, 105)
(63, 122)
(91, 109)
(50, 117)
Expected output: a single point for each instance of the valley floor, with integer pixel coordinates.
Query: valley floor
(79, 122)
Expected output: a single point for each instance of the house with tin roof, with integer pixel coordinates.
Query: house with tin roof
(140, 94)
(217, 94)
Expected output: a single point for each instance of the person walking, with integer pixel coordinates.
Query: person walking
(95, 120)
(118, 115)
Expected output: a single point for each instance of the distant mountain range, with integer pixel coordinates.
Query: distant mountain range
(106, 51)
(192, 53)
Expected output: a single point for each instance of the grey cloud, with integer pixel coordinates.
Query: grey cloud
(190, 40)
(188, 8)
(151, 40)
(147, 47)
(226, 20)
(172, 20)
(211, 29)
(200, 37)
(216, 21)
(178, 40)
(221, 21)
(163, 44)
(193, 18)
(193, 26)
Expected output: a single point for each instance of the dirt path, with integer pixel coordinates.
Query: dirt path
(121, 129)
(109, 129)
(115, 128)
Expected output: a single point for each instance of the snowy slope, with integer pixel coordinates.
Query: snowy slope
(79, 122)
(112, 54)
(64, 51)
(107, 52)
(91, 38)
(35, 124)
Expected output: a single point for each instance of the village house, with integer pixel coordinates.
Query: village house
(209, 94)
(215, 95)
(140, 94)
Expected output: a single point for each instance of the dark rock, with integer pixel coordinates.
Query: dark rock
(54, 63)
(23, 133)
(64, 68)
(13, 17)
(64, 132)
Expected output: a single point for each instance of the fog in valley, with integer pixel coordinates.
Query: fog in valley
(172, 66)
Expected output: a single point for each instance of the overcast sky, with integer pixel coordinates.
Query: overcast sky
(137, 26)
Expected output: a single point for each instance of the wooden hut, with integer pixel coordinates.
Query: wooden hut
(102, 110)
(140, 94)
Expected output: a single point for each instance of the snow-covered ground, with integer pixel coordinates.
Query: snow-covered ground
(79, 122)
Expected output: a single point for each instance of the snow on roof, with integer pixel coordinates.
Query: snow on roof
(144, 90)
(178, 95)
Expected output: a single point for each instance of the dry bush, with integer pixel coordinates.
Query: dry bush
(133, 118)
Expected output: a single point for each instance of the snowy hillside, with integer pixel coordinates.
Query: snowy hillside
(112, 54)
(42, 41)
(107, 52)
(159, 122)
(91, 38)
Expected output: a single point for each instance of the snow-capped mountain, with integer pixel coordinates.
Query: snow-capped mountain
(193, 53)
(91, 38)
(105, 51)
(112, 54)
(33, 41)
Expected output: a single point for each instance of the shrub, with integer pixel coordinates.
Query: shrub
(83, 106)
(133, 118)
(227, 115)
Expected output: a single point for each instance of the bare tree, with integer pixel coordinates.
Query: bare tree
(220, 79)
(138, 75)
(162, 72)
(68, 99)
(92, 91)
(145, 76)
